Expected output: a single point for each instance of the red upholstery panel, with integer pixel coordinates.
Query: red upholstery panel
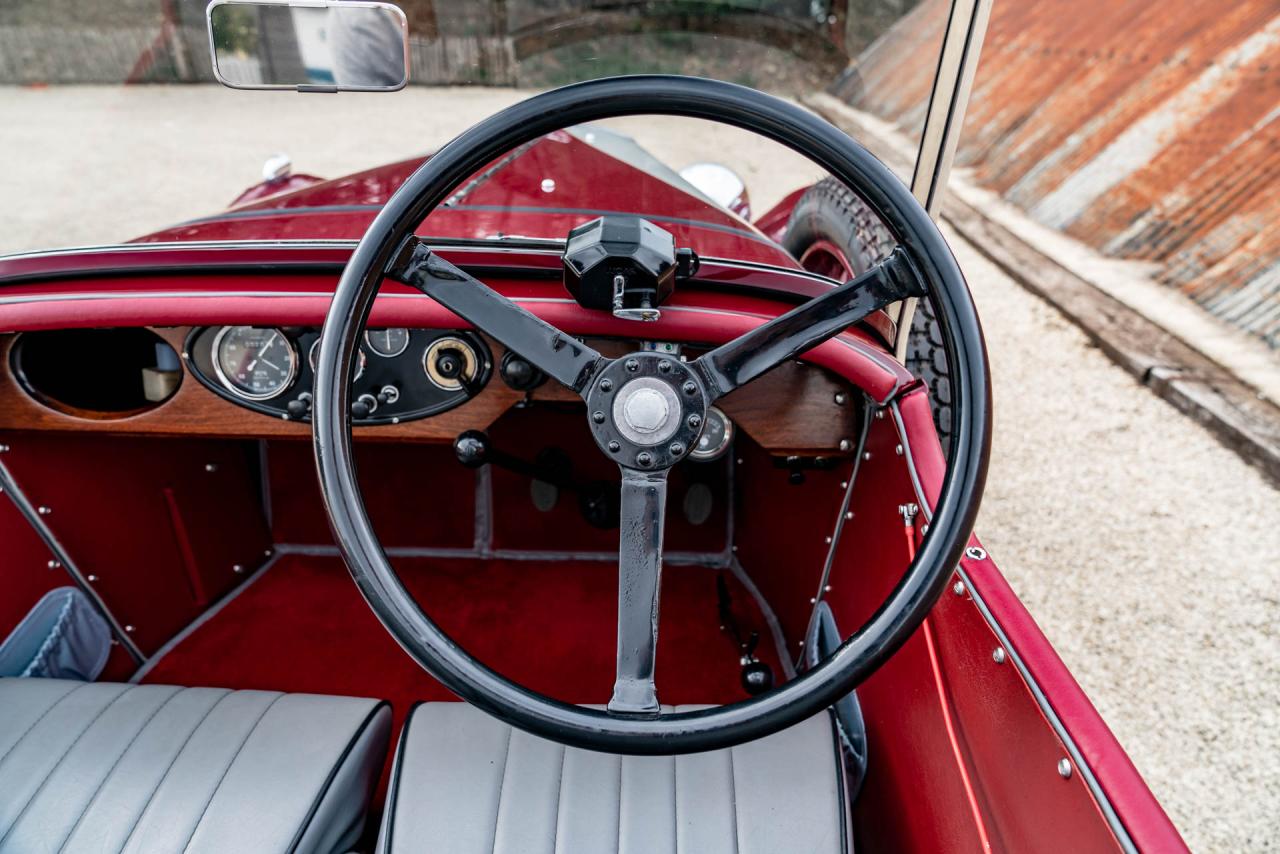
(161, 523)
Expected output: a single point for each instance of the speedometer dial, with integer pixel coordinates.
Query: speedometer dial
(254, 363)
(387, 342)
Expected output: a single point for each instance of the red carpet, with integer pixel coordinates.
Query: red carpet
(303, 626)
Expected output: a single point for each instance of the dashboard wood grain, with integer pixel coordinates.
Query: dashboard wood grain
(791, 410)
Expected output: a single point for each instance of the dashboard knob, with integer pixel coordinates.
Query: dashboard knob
(300, 407)
(518, 374)
(449, 363)
(472, 448)
(364, 406)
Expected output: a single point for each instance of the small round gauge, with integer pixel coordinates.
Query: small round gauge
(313, 356)
(717, 433)
(387, 343)
(253, 362)
(450, 363)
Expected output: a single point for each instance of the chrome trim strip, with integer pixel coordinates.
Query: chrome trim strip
(199, 621)
(24, 506)
(1046, 708)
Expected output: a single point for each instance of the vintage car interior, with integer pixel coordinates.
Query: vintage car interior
(632, 507)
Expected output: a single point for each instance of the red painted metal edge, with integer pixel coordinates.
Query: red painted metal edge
(1136, 807)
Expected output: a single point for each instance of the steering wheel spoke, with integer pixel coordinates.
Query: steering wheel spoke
(644, 503)
(742, 360)
(560, 356)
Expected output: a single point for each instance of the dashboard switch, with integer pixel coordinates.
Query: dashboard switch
(364, 406)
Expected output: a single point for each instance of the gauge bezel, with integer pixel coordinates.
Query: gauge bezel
(226, 382)
(408, 338)
(718, 451)
(473, 363)
(362, 362)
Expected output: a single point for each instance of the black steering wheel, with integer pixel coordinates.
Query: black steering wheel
(646, 410)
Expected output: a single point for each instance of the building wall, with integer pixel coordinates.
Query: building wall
(1149, 130)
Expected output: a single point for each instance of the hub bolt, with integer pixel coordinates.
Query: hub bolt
(690, 387)
(676, 449)
(597, 417)
(695, 421)
(664, 367)
(614, 447)
(632, 365)
(644, 458)
(606, 385)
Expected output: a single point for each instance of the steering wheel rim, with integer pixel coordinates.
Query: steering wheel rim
(384, 246)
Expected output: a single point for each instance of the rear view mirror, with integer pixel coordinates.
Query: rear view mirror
(311, 46)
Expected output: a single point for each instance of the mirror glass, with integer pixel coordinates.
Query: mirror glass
(322, 47)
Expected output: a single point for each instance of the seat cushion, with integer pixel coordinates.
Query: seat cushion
(91, 766)
(466, 783)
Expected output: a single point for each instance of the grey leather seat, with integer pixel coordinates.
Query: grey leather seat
(105, 767)
(465, 783)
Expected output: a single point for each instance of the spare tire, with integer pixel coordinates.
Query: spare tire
(832, 232)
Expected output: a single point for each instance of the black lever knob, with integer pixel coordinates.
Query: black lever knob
(363, 406)
(450, 363)
(472, 448)
(300, 407)
(518, 374)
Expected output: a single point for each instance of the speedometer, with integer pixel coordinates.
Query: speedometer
(254, 363)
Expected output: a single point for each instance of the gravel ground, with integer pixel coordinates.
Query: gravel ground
(1149, 553)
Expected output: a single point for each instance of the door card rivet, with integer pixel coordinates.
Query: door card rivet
(998, 655)
(1064, 768)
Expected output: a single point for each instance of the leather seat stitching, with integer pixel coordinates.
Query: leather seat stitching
(42, 716)
(107, 776)
(147, 803)
(502, 784)
(227, 769)
(56, 765)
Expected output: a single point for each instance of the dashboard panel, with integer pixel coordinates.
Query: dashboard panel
(795, 409)
(400, 374)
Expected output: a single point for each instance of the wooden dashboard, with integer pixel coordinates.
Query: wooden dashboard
(796, 409)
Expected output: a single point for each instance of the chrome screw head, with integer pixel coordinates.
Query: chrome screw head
(644, 458)
(676, 449)
(1064, 768)
(694, 421)
(664, 367)
(597, 417)
(689, 387)
(614, 447)
(998, 655)
(958, 588)
(632, 365)
(606, 385)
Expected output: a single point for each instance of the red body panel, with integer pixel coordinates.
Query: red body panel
(512, 200)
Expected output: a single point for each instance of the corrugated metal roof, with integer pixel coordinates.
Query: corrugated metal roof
(1150, 130)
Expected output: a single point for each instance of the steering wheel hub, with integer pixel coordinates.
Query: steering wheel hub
(647, 410)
